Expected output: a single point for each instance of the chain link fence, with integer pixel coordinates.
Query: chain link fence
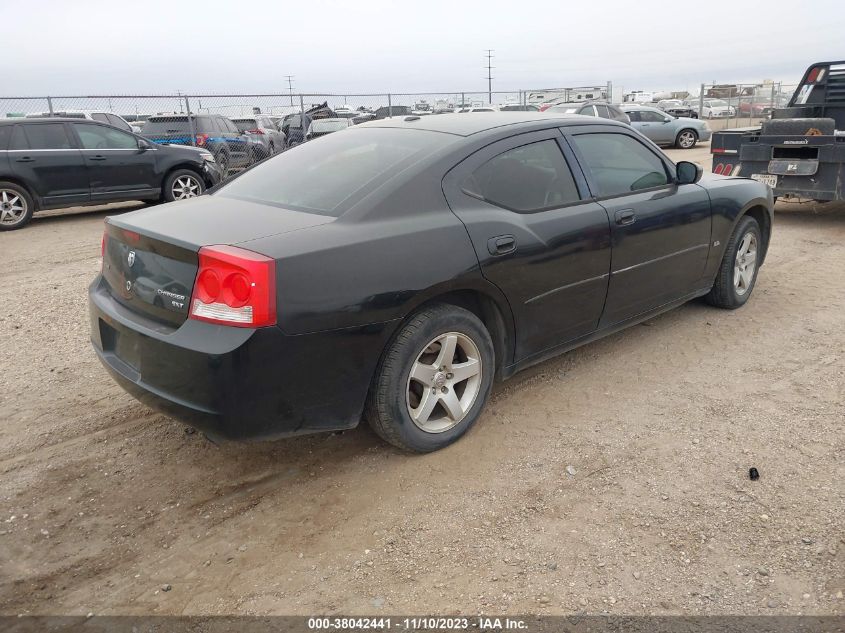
(740, 105)
(293, 114)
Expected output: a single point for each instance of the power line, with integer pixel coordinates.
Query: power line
(489, 76)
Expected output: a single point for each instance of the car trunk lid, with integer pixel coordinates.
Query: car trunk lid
(150, 257)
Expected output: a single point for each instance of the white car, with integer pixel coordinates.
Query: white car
(477, 109)
(717, 109)
(108, 118)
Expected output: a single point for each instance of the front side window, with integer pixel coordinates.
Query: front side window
(587, 110)
(602, 110)
(652, 117)
(525, 179)
(48, 136)
(620, 164)
(99, 116)
(101, 137)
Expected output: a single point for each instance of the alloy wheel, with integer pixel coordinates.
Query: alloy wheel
(185, 187)
(12, 207)
(745, 263)
(444, 382)
(686, 140)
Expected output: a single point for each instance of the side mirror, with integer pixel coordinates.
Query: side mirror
(688, 173)
(666, 119)
(144, 145)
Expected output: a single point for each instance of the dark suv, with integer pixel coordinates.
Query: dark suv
(50, 163)
(216, 133)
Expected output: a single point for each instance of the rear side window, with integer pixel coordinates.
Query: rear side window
(634, 115)
(48, 136)
(525, 179)
(119, 123)
(620, 164)
(101, 137)
(588, 110)
(5, 133)
(602, 110)
(99, 116)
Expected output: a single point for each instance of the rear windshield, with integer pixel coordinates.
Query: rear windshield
(328, 126)
(245, 124)
(167, 125)
(329, 174)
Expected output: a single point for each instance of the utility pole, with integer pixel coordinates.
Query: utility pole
(489, 76)
(290, 87)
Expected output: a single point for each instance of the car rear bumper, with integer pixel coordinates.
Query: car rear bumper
(704, 135)
(237, 383)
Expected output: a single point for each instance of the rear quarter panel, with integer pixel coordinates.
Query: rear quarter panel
(358, 271)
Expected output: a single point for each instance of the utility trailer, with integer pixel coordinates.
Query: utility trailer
(800, 151)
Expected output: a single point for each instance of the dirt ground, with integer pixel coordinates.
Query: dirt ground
(613, 479)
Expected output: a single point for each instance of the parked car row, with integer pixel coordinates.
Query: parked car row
(660, 126)
(61, 162)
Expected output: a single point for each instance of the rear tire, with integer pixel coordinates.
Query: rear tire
(433, 380)
(16, 206)
(738, 270)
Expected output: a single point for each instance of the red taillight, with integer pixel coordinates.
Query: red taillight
(545, 107)
(234, 286)
(261, 132)
(813, 75)
(202, 139)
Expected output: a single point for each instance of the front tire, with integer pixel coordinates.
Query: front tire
(433, 380)
(16, 206)
(183, 184)
(738, 270)
(686, 139)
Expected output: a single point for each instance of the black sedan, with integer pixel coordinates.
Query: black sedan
(393, 271)
(50, 163)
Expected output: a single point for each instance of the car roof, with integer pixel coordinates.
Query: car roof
(468, 123)
(49, 119)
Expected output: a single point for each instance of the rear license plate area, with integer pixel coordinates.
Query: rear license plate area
(123, 347)
(766, 179)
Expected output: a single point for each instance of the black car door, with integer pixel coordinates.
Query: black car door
(537, 234)
(118, 167)
(44, 156)
(661, 230)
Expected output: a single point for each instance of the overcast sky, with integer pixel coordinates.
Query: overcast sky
(151, 46)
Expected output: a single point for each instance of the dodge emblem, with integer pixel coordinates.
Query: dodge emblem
(130, 259)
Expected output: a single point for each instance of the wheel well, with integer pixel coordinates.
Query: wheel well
(488, 311)
(188, 167)
(20, 183)
(762, 216)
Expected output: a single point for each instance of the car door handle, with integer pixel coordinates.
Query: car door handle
(97, 157)
(501, 244)
(625, 217)
(25, 159)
